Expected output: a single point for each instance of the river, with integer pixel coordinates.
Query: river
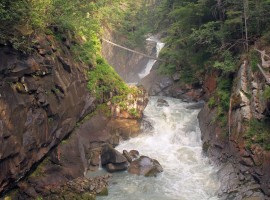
(175, 142)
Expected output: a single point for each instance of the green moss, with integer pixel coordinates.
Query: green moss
(103, 192)
(39, 170)
(104, 81)
(133, 112)
(88, 196)
(105, 109)
(266, 93)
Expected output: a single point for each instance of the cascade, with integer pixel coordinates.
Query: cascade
(175, 142)
(151, 62)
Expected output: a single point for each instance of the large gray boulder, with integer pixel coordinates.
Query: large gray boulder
(145, 166)
(110, 155)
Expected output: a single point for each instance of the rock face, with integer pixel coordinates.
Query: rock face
(42, 97)
(245, 171)
(145, 166)
(133, 107)
(171, 86)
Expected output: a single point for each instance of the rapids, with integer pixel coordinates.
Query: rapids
(174, 140)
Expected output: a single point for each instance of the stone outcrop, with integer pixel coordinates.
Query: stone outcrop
(145, 166)
(244, 172)
(132, 107)
(171, 86)
(42, 97)
(113, 160)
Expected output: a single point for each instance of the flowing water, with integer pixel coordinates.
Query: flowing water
(151, 62)
(175, 142)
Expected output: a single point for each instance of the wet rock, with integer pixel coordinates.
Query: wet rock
(103, 192)
(128, 157)
(246, 161)
(134, 154)
(116, 167)
(195, 106)
(145, 166)
(95, 158)
(110, 155)
(162, 103)
(165, 82)
(146, 125)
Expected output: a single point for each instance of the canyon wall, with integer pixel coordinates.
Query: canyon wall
(245, 167)
(42, 97)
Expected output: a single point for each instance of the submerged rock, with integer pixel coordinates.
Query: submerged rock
(134, 154)
(162, 103)
(145, 166)
(195, 106)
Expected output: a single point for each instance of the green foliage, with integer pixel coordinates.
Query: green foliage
(212, 102)
(135, 23)
(205, 34)
(228, 64)
(103, 80)
(259, 133)
(254, 60)
(133, 112)
(266, 93)
(221, 100)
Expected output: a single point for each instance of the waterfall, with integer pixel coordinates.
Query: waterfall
(151, 62)
(175, 142)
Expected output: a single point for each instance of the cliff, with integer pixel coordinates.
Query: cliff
(48, 113)
(244, 162)
(43, 96)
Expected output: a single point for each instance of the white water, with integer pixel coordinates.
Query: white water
(151, 62)
(175, 143)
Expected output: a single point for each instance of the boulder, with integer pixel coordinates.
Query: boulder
(128, 157)
(116, 167)
(134, 154)
(165, 82)
(110, 155)
(162, 103)
(145, 166)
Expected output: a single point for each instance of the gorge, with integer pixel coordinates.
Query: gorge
(193, 124)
